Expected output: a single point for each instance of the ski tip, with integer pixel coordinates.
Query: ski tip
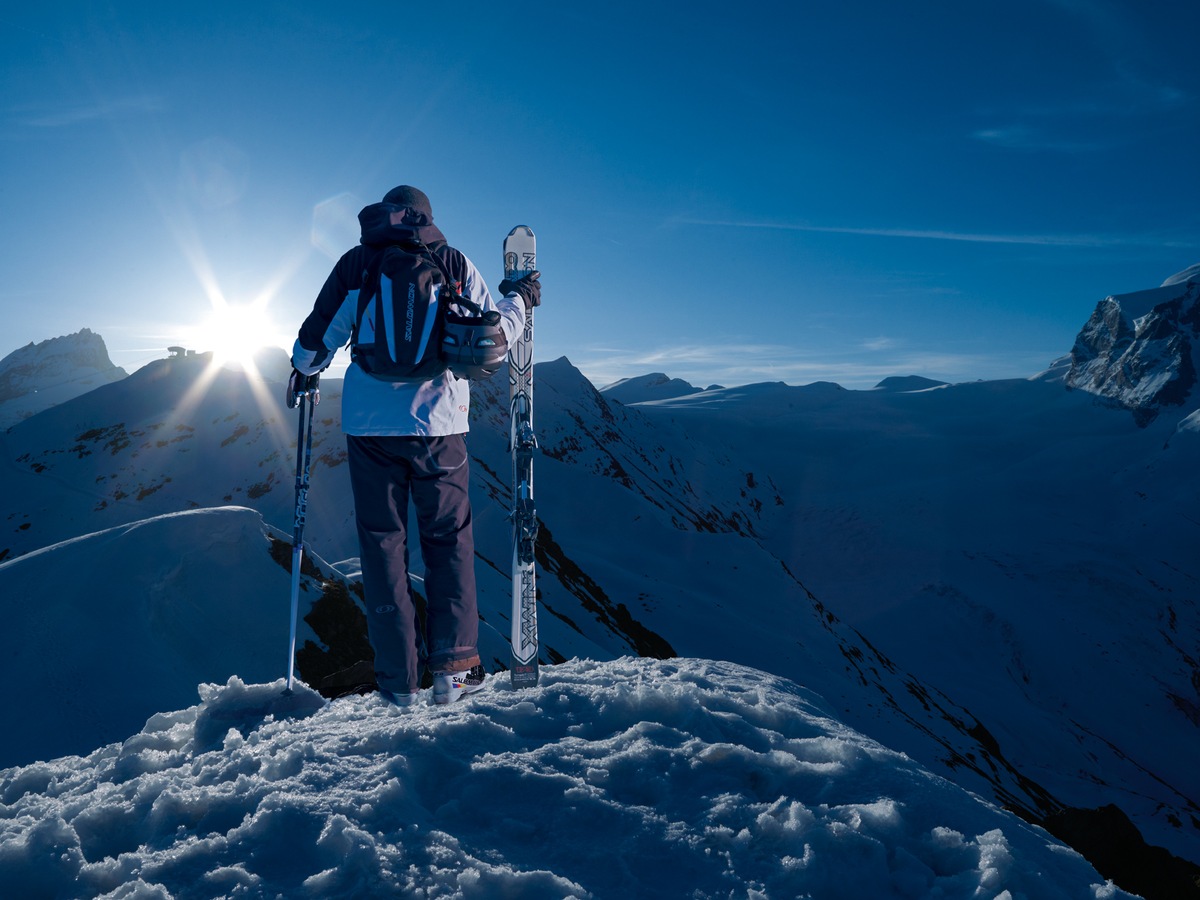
(521, 229)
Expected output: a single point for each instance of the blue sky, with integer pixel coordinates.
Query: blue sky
(727, 193)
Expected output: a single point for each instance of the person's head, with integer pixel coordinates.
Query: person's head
(414, 206)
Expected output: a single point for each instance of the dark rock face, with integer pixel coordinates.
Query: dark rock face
(1140, 350)
(1110, 842)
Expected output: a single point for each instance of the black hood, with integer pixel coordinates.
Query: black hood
(378, 230)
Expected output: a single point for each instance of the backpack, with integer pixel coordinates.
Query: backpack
(399, 309)
(405, 328)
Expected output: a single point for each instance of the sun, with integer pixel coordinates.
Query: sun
(235, 332)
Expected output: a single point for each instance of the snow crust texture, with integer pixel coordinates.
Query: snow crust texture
(628, 778)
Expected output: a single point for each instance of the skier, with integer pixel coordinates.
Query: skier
(405, 441)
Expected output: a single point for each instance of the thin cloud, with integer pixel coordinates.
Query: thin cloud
(879, 343)
(110, 109)
(1023, 137)
(1042, 240)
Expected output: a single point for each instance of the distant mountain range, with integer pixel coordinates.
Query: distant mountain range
(997, 578)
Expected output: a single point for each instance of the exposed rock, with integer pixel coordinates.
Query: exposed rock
(1139, 350)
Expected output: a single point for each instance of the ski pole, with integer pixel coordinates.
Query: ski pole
(303, 461)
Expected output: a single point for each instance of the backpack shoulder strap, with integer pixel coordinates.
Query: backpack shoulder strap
(457, 298)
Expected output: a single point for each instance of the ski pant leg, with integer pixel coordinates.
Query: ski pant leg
(440, 493)
(380, 478)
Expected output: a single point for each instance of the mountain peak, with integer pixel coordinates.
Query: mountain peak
(655, 386)
(1139, 350)
(38, 376)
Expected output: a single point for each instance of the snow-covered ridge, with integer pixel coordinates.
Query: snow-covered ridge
(38, 376)
(655, 386)
(905, 383)
(617, 779)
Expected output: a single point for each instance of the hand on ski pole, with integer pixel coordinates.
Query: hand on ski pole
(528, 287)
(300, 384)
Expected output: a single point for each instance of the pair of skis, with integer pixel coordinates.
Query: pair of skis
(520, 258)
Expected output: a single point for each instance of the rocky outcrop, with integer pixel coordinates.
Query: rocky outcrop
(1140, 350)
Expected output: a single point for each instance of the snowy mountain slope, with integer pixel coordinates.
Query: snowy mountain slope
(708, 586)
(934, 474)
(1011, 543)
(993, 578)
(659, 578)
(692, 778)
(177, 434)
(655, 386)
(667, 573)
(673, 569)
(109, 628)
(39, 376)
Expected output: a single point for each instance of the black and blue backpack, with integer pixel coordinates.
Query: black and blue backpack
(412, 322)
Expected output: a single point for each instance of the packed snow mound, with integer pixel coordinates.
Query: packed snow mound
(627, 778)
(655, 386)
(39, 376)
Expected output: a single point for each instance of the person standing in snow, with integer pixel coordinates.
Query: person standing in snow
(405, 441)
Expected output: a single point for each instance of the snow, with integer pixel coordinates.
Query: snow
(997, 579)
(1190, 423)
(1138, 349)
(633, 777)
(1188, 274)
(172, 601)
(1137, 304)
(655, 386)
(39, 376)
(908, 383)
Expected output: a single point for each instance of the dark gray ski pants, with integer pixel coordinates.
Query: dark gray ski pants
(434, 472)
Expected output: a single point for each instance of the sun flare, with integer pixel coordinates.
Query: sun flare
(236, 332)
